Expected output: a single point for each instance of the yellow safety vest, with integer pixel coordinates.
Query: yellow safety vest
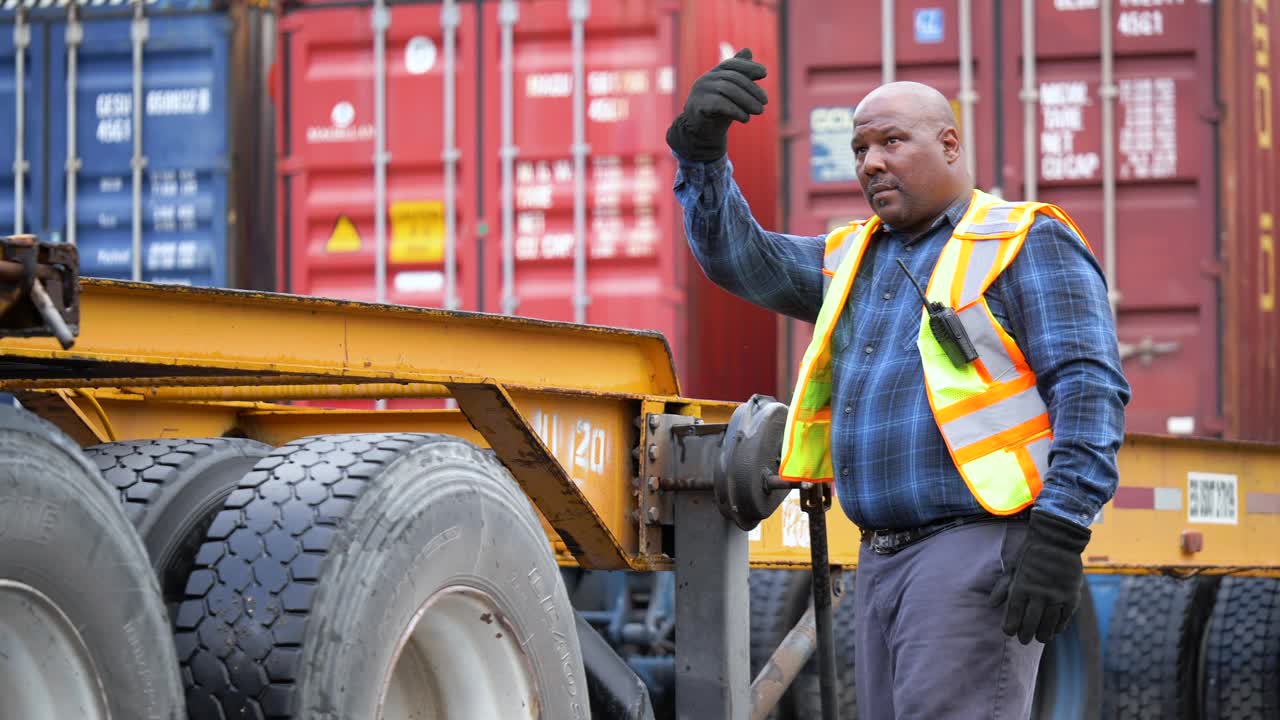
(990, 412)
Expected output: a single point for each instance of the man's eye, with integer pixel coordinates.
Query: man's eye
(892, 141)
(860, 151)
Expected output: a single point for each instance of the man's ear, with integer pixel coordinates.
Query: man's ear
(950, 140)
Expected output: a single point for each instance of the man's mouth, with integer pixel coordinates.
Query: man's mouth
(880, 195)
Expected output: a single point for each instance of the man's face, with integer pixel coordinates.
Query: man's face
(902, 162)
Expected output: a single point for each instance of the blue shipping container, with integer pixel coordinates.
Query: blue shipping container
(34, 156)
(189, 77)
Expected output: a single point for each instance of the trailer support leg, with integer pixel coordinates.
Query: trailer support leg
(712, 622)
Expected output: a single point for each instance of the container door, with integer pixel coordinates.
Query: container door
(184, 142)
(628, 85)
(327, 173)
(34, 72)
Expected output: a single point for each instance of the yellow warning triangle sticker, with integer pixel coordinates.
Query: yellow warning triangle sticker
(344, 237)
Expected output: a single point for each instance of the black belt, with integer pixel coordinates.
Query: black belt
(888, 542)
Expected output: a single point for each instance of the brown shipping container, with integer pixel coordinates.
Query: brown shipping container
(1187, 89)
(514, 199)
(1251, 93)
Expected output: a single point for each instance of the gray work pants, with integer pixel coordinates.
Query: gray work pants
(928, 644)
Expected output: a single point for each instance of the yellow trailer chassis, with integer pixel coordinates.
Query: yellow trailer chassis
(563, 407)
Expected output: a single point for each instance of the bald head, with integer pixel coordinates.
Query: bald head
(907, 154)
(917, 100)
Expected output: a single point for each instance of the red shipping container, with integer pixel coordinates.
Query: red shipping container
(1144, 190)
(519, 203)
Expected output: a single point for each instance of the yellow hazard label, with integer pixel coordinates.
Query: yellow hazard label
(344, 238)
(417, 231)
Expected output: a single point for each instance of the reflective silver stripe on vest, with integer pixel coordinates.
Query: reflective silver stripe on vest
(832, 261)
(1039, 451)
(996, 222)
(981, 259)
(1004, 415)
(986, 341)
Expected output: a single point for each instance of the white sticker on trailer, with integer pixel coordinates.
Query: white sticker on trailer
(1213, 498)
(795, 523)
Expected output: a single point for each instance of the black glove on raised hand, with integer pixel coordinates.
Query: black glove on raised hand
(1043, 586)
(725, 93)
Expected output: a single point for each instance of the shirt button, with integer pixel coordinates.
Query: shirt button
(869, 349)
(845, 472)
(888, 296)
(848, 409)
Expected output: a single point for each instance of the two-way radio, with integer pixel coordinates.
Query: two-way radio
(946, 326)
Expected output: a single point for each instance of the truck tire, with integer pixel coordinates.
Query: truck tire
(807, 690)
(378, 576)
(1069, 681)
(778, 598)
(170, 490)
(83, 632)
(1242, 673)
(1153, 648)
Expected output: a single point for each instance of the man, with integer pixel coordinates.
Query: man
(972, 450)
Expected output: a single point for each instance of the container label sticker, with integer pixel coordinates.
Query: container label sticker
(114, 111)
(419, 55)
(929, 25)
(795, 524)
(1062, 109)
(830, 155)
(1148, 140)
(342, 128)
(179, 101)
(1212, 498)
(429, 281)
(615, 230)
(344, 238)
(417, 231)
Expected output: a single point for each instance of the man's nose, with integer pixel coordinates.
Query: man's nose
(872, 161)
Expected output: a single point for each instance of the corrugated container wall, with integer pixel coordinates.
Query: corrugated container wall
(201, 148)
(1143, 186)
(507, 190)
(1250, 72)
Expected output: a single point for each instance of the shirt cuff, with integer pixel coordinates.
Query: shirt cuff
(696, 171)
(1066, 506)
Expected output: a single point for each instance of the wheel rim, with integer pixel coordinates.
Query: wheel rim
(47, 670)
(459, 658)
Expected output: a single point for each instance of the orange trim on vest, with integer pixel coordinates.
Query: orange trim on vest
(995, 394)
(957, 281)
(1002, 440)
(1029, 469)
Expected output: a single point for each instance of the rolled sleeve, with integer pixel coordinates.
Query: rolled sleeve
(776, 271)
(1058, 310)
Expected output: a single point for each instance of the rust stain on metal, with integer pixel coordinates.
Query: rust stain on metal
(493, 413)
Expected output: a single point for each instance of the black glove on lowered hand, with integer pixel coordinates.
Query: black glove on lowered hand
(1043, 586)
(725, 93)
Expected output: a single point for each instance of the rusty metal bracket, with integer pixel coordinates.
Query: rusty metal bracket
(39, 289)
(495, 416)
(737, 460)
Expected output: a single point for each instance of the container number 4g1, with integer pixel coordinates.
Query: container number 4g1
(1141, 23)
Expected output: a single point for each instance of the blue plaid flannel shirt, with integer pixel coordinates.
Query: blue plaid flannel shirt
(892, 468)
